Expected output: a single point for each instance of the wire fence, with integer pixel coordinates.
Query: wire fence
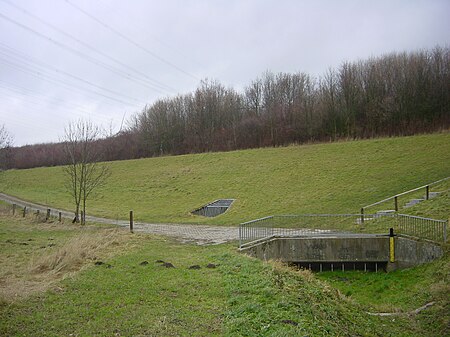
(342, 224)
(39, 214)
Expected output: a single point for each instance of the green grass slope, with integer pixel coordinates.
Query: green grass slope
(241, 296)
(322, 178)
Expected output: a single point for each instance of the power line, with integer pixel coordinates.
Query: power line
(131, 41)
(142, 28)
(76, 52)
(44, 104)
(38, 95)
(109, 57)
(40, 74)
(4, 49)
(40, 103)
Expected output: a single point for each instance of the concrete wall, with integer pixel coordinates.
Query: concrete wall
(354, 248)
(410, 252)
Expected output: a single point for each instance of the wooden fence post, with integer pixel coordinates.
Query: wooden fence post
(59, 216)
(396, 203)
(14, 209)
(362, 215)
(131, 222)
(47, 217)
(427, 194)
(24, 211)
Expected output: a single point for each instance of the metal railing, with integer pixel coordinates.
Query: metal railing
(315, 224)
(294, 225)
(431, 229)
(422, 193)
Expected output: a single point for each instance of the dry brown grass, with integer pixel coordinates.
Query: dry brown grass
(75, 253)
(45, 269)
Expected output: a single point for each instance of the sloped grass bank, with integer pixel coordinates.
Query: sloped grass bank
(402, 291)
(128, 291)
(322, 178)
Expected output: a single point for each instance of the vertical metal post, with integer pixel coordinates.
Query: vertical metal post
(240, 235)
(14, 209)
(427, 195)
(131, 222)
(445, 231)
(391, 245)
(396, 203)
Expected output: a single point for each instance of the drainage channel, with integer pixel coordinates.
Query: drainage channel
(341, 266)
(214, 208)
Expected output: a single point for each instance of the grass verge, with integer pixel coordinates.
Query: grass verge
(402, 291)
(322, 178)
(120, 290)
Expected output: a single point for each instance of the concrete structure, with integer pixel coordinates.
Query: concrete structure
(352, 251)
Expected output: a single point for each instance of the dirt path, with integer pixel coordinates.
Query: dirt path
(199, 234)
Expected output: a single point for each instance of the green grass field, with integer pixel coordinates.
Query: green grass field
(51, 286)
(323, 178)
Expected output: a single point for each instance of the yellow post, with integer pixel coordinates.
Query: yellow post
(391, 245)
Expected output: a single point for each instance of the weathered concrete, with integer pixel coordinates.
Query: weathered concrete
(410, 252)
(339, 249)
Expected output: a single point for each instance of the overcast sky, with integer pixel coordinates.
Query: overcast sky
(61, 60)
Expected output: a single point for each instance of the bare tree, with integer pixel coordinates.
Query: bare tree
(5, 145)
(84, 171)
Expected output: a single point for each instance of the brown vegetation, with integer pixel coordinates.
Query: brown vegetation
(392, 95)
(32, 269)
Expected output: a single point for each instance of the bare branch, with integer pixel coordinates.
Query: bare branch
(84, 173)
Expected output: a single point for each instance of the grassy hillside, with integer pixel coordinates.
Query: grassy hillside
(323, 178)
(53, 284)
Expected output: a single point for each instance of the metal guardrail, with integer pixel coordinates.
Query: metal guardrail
(314, 224)
(395, 198)
(431, 229)
(294, 225)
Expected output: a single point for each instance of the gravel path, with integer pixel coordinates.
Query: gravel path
(199, 234)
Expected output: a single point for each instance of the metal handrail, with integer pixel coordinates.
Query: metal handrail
(422, 218)
(407, 192)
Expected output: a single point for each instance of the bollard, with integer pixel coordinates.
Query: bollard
(391, 245)
(131, 222)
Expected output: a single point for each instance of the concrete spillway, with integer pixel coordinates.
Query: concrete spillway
(343, 252)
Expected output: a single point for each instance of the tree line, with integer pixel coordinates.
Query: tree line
(391, 95)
